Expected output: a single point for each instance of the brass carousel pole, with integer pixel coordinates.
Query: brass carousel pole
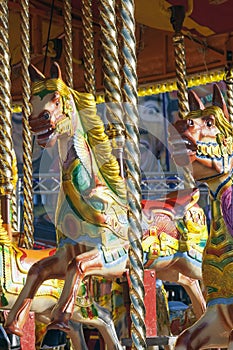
(133, 174)
(112, 79)
(88, 47)
(68, 43)
(14, 214)
(6, 146)
(177, 16)
(228, 78)
(27, 137)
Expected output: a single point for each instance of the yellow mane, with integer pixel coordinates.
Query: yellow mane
(99, 142)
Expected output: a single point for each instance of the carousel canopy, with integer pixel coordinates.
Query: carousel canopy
(207, 17)
(207, 30)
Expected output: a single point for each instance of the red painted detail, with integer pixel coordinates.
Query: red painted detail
(28, 340)
(150, 302)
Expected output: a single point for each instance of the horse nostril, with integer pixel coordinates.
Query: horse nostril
(46, 115)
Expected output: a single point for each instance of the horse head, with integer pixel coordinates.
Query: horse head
(204, 138)
(51, 102)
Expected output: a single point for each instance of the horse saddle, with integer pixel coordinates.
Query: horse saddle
(25, 258)
(175, 204)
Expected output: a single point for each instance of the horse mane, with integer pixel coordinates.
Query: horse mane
(99, 142)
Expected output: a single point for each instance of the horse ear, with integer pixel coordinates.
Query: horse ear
(218, 100)
(55, 71)
(35, 74)
(195, 102)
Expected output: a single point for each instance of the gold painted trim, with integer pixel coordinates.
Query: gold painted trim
(163, 86)
(170, 85)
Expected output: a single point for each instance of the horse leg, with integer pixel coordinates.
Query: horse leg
(48, 268)
(62, 312)
(76, 330)
(193, 289)
(85, 264)
(103, 323)
(191, 286)
(77, 336)
(230, 345)
(210, 331)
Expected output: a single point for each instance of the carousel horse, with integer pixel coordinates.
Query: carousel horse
(91, 214)
(15, 263)
(207, 134)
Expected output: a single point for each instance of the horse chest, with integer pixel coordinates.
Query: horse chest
(218, 258)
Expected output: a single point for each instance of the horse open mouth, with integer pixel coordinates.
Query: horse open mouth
(183, 149)
(44, 139)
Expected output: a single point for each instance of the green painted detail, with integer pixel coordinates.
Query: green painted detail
(94, 310)
(81, 178)
(43, 93)
(4, 301)
(181, 226)
(202, 243)
(82, 290)
(211, 289)
(220, 265)
(218, 240)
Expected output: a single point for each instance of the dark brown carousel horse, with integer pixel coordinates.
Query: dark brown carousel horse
(91, 214)
(207, 134)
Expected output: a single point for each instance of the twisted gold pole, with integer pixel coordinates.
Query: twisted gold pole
(27, 137)
(133, 174)
(6, 146)
(112, 79)
(88, 47)
(229, 83)
(14, 216)
(68, 43)
(177, 18)
(182, 87)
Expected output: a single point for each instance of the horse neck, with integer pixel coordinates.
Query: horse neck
(75, 152)
(66, 142)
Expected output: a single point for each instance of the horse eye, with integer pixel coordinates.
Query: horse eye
(190, 122)
(56, 100)
(209, 123)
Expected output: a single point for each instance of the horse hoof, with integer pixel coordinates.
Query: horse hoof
(62, 326)
(13, 328)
